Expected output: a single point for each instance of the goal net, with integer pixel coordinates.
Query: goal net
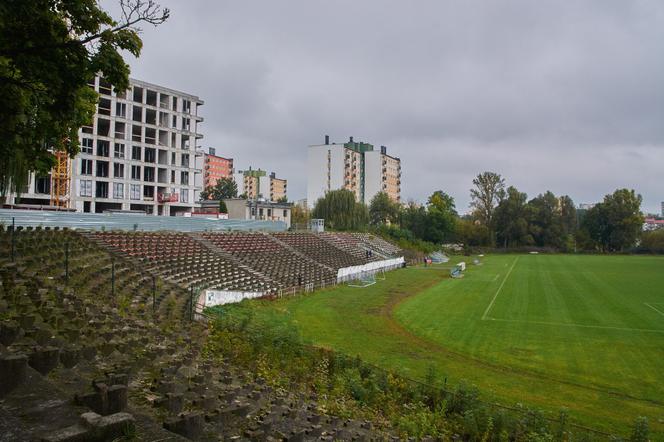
(364, 279)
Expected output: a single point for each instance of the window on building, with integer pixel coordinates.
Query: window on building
(86, 167)
(121, 110)
(184, 178)
(105, 87)
(135, 191)
(120, 129)
(285, 213)
(150, 155)
(184, 160)
(175, 105)
(148, 192)
(43, 184)
(136, 173)
(119, 151)
(118, 170)
(136, 153)
(136, 133)
(172, 177)
(87, 145)
(118, 191)
(102, 168)
(101, 190)
(137, 113)
(148, 174)
(103, 148)
(103, 127)
(150, 135)
(104, 106)
(86, 188)
(186, 123)
(151, 97)
(138, 94)
(186, 106)
(175, 121)
(184, 195)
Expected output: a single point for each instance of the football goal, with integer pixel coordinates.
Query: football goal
(364, 279)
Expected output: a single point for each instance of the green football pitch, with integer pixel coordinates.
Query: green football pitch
(547, 331)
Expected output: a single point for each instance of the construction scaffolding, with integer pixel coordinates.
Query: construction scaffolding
(61, 180)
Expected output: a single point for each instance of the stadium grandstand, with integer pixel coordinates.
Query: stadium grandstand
(216, 261)
(98, 337)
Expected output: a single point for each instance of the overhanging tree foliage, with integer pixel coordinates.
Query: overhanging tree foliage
(340, 211)
(49, 51)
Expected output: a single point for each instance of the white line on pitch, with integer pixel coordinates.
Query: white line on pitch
(496, 278)
(655, 308)
(564, 324)
(486, 312)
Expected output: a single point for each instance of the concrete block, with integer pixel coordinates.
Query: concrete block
(12, 371)
(44, 359)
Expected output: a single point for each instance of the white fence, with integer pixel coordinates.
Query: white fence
(221, 297)
(353, 272)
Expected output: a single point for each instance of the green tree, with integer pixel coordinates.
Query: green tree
(414, 219)
(283, 199)
(224, 188)
(441, 217)
(545, 221)
(472, 233)
(594, 232)
(511, 220)
(568, 215)
(222, 207)
(49, 51)
(653, 241)
(489, 191)
(299, 216)
(625, 218)
(382, 210)
(340, 211)
(615, 224)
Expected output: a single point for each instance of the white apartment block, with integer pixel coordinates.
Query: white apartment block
(139, 154)
(256, 184)
(354, 166)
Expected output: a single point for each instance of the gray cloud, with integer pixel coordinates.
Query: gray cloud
(565, 96)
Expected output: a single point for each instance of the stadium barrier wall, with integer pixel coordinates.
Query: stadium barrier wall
(221, 297)
(352, 272)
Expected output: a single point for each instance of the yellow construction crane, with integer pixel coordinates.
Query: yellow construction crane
(61, 180)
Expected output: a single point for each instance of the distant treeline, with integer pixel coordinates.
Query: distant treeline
(502, 218)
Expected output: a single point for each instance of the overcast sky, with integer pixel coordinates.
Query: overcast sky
(566, 96)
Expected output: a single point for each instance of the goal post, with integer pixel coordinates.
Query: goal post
(364, 279)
